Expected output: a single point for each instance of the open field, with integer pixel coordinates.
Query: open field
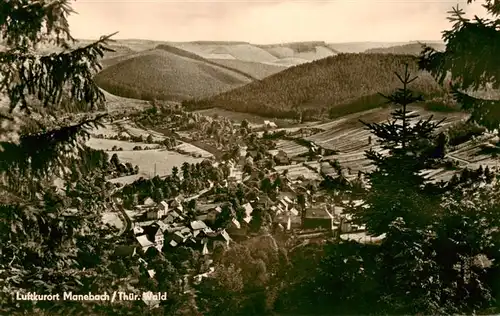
(127, 44)
(107, 144)
(240, 51)
(147, 160)
(359, 47)
(255, 69)
(120, 104)
(108, 130)
(298, 170)
(307, 51)
(128, 179)
(291, 148)
(133, 130)
(348, 134)
(192, 149)
(350, 138)
(112, 218)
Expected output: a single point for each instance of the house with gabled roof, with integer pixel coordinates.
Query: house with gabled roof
(198, 225)
(263, 201)
(164, 206)
(151, 273)
(176, 238)
(235, 175)
(237, 229)
(226, 237)
(163, 226)
(281, 158)
(294, 211)
(248, 212)
(319, 217)
(287, 220)
(144, 242)
(155, 235)
(205, 251)
(235, 223)
(155, 213)
(176, 204)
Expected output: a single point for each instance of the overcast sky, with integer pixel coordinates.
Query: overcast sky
(264, 22)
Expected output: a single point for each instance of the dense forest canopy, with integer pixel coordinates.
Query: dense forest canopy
(320, 86)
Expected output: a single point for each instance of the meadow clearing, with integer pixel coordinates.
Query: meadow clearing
(194, 150)
(160, 161)
(108, 144)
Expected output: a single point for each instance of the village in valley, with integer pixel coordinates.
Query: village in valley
(207, 181)
(203, 159)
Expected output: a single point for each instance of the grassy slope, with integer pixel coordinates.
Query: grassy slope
(240, 51)
(165, 75)
(408, 49)
(347, 82)
(254, 69)
(358, 47)
(303, 50)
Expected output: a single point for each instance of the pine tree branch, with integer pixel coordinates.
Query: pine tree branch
(22, 22)
(484, 112)
(493, 6)
(477, 40)
(43, 151)
(47, 77)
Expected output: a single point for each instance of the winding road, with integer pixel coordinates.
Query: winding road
(128, 221)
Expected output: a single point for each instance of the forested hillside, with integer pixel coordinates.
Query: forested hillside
(161, 74)
(407, 49)
(254, 69)
(321, 86)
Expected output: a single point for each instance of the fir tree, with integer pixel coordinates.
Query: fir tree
(47, 248)
(397, 187)
(433, 238)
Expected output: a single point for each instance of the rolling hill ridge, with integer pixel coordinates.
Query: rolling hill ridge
(407, 49)
(342, 83)
(286, 54)
(168, 74)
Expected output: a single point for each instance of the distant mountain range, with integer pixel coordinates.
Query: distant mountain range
(181, 71)
(334, 86)
(406, 49)
(262, 79)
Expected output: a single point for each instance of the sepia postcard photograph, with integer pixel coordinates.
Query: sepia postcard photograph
(253, 158)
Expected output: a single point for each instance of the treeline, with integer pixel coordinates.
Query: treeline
(318, 86)
(297, 47)
(463, 132)
(128, 91)
(98, 160)
(191, 178)
(407, 49)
